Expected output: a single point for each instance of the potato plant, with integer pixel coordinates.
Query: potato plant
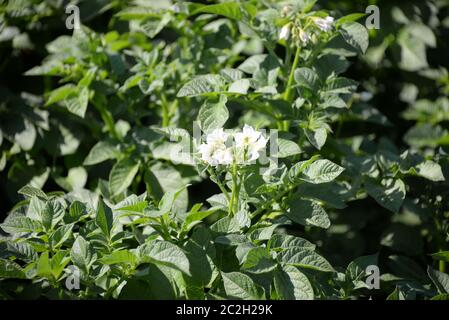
(224, 150)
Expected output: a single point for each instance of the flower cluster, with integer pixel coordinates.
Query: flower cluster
(299, 34)
(222, 148)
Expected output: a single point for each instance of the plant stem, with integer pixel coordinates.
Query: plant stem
(220, 185)
(165, 112)
(288, 90)
(269, 202)
(234, 189)
(108, 119)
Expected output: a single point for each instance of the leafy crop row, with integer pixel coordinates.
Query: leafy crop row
(229, 150)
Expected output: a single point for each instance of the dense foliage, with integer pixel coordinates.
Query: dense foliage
(224, 149)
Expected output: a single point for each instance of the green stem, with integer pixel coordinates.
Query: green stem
(108, 119)
(220, 185)
(288, 90)
(234, 189)
(269, 202)
(165, 112)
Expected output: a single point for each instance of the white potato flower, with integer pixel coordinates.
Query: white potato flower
(285, 32)
(324, 24)
(304, 36)
(214, 151)
(250, 142)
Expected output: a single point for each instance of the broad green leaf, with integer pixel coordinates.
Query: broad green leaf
(104, 218)
(240, 86)
(292, 284)
(60, 93)
(356, 270)
(208, 83)
(119, 257)
(287, 148)
(308, 212)
(77, 102)
(17, 224)
(440, 280)
(321, 171)
(43, 267)
(52, 214)
(258, 260)
(317, 137)
(122, 175)
(76, 211)
(82, 254)
(240, 286)
(307, 78)
(60, 235)
(30, 191)
(285, 241)
(305, 258)
(355, 35)
(213, 115)
(101, 151)
(430, 170)
(231, 10)
(10, 269)
(389, 193)
(165, 253)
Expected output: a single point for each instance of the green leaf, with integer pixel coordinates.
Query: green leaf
(304, 258)
(43, 267)
(17, 224)
(389, 193)
(356, 270)
(440, 280)
(77, 102)
(101, 151)
(287, 148)
(104, 218)
(52, 214)
(165, 253)
(230, 10)
(208, 83)
(240, 86)
(122, 175)
(430, 170)
(120, 257)
(258, 260)
(60, 93)
(355, 35)
(59, 236)
(240, 286)
(10, 269)
(321, 171)
(58, 262)
(307, 78)
(76, 211)
(285, 241)
(308, 212)
(82, 254)
(213, 115)
(317, 137)
(292, 284)
(30, 191)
